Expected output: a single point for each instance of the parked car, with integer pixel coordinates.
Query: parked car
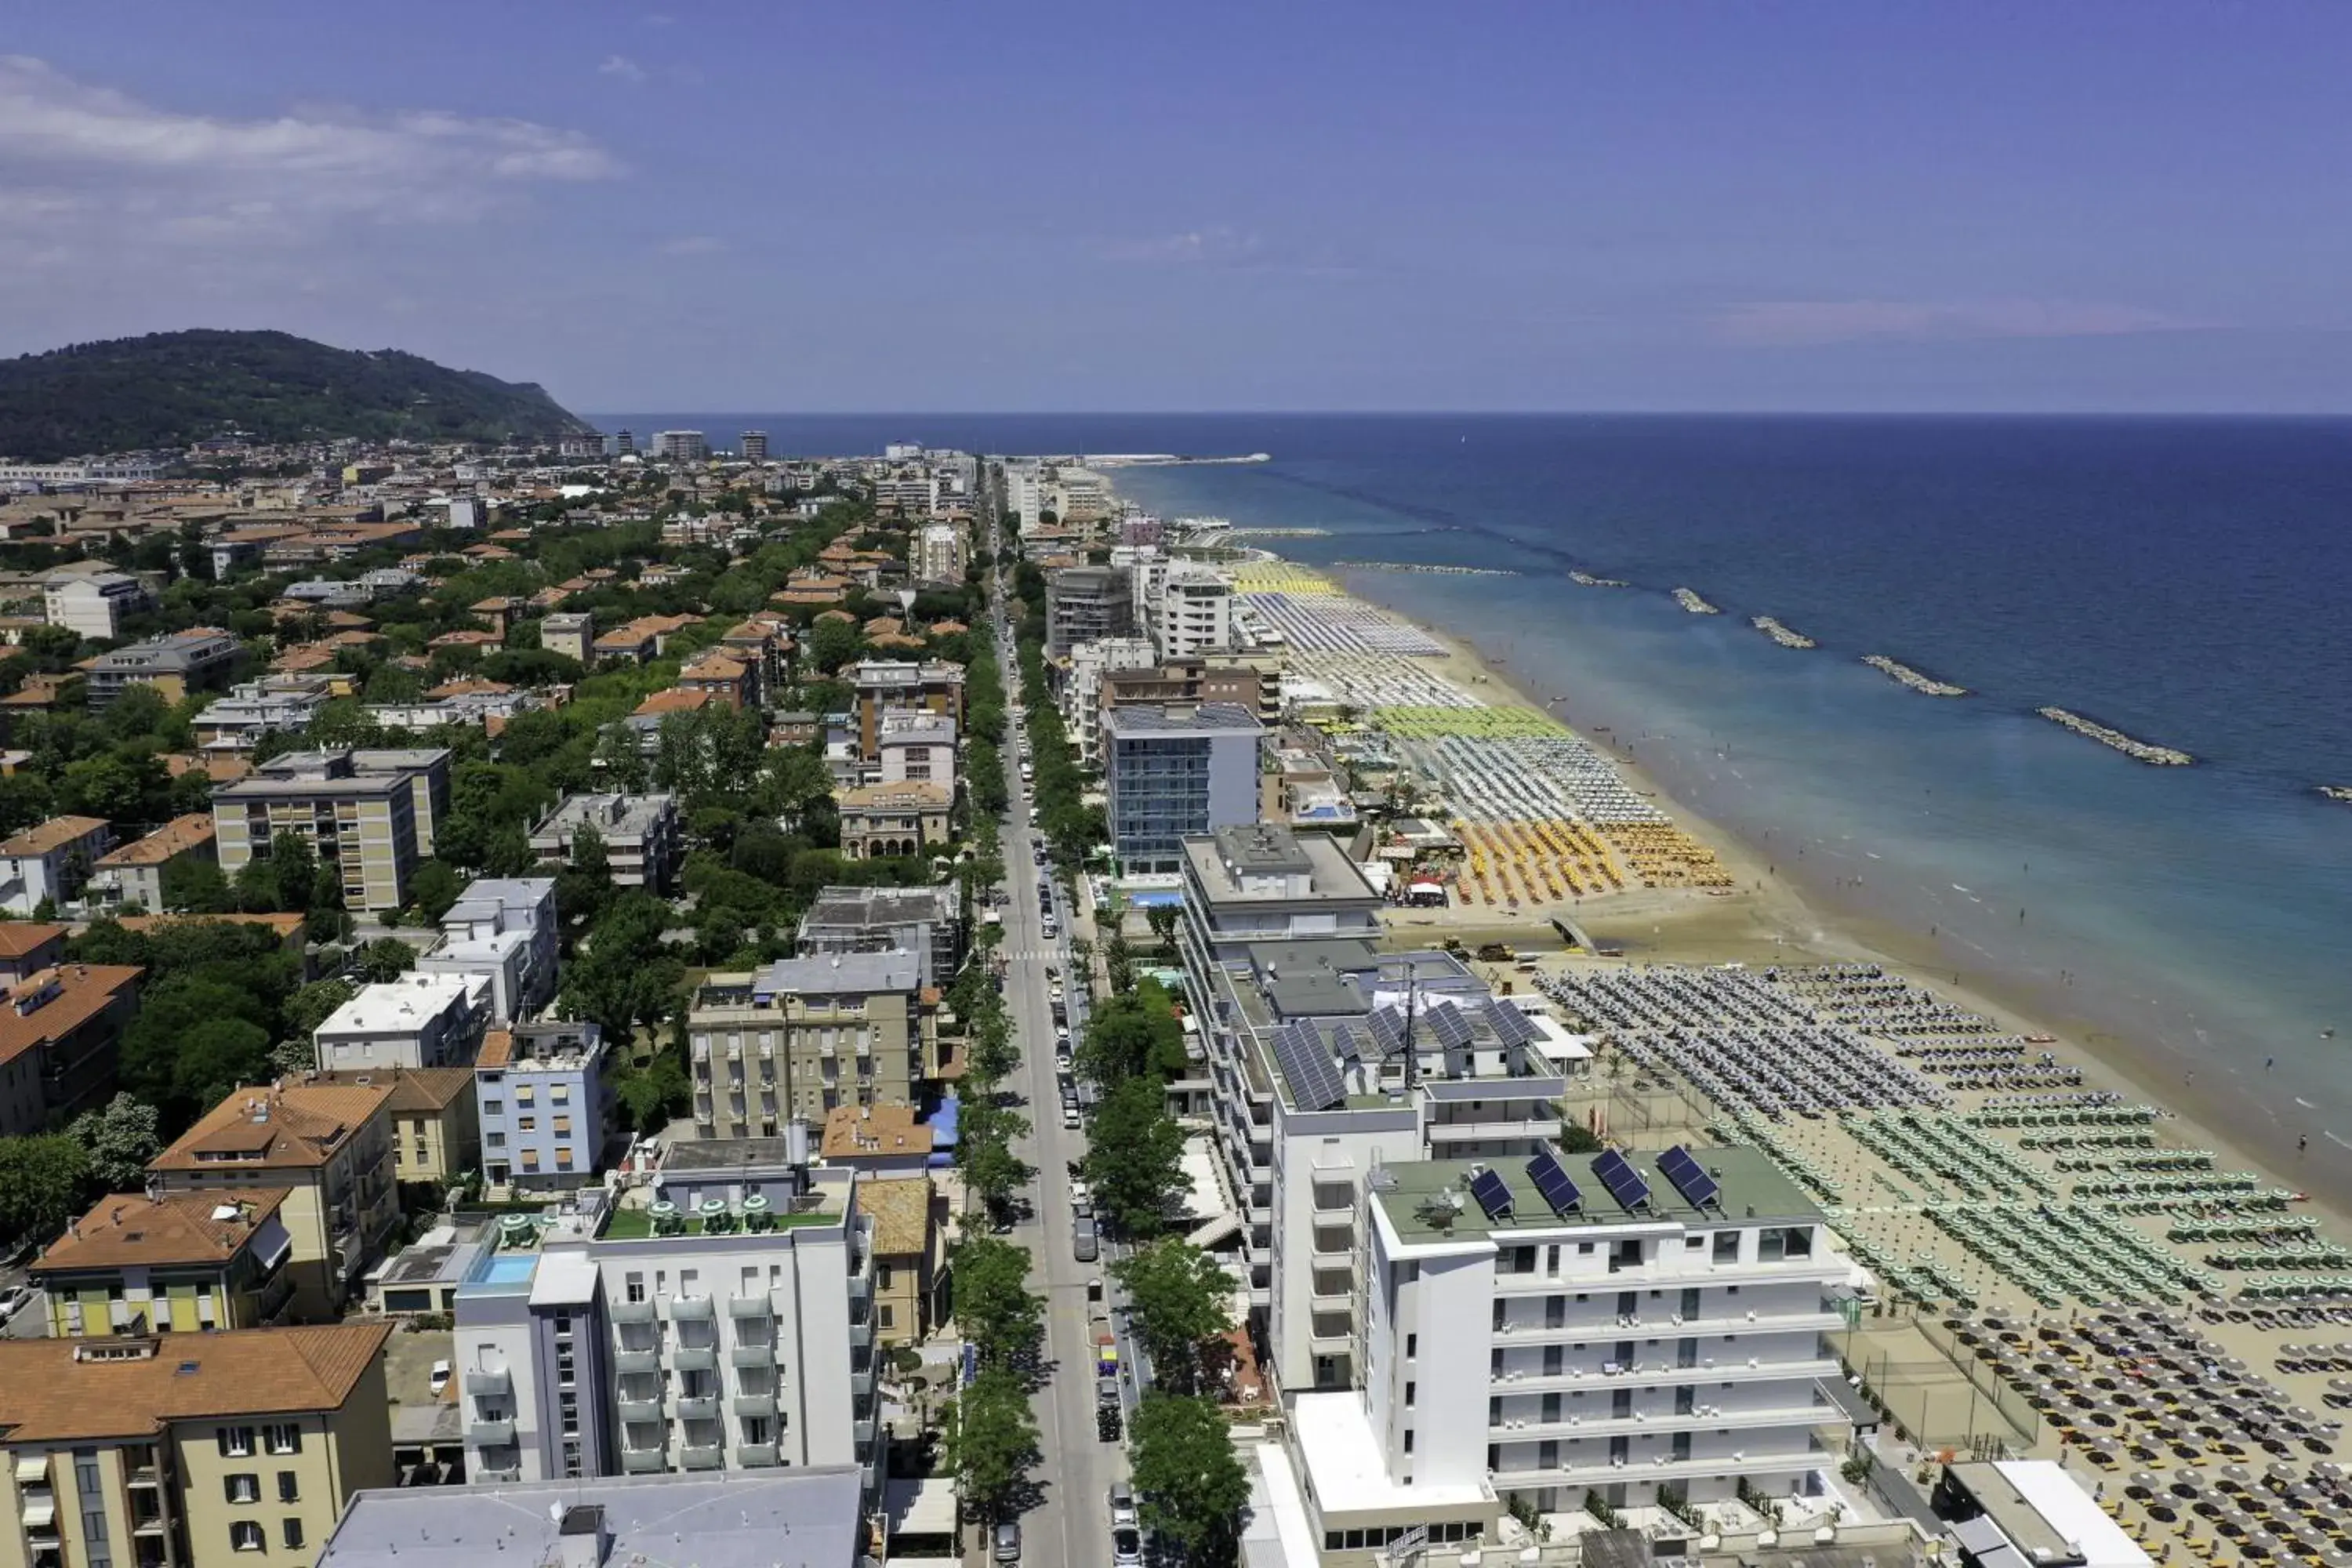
(1122, 1506)
(1083, 1245)
(439, 1380)
(13, 1299)
(1008, 1542)
(1126, 1547)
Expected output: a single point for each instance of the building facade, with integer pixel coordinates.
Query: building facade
(926, 922)
(368, 814)
(1171, 772)
(177, 665)
(49, 863)
(60, 1042)
(189, 1263)
(805, 1034)
(419, 1020)
(1086, 603)
(640, 833)
(1196, 612)
(543, 1103)
(504, 930)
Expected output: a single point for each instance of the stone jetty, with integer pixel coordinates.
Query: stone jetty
(2139, 750)
(1694, 603)
(1926, 685)
(1587, 580)
(1782, 634)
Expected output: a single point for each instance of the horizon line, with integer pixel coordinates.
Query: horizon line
(2110, 415)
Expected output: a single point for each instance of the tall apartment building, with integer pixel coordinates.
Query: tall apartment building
(1545, 1328)
(572, 633)
(939, 553)
(754, 446)
(1196, 612)
(640, 833)
(1174, 771)
(329, 1146)
(680, 446)
(188, 1450)
(1085, 604)
(543, 1103)
(1183, 681)
(902, 686)
(1081, 700)
(926, 922)
(370, 813)
(727, 1327)
(91, 603)
(805, 1034)
(1328, 1058)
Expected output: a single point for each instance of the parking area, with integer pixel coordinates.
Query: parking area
(408, 1365)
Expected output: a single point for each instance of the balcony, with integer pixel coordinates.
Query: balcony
(861, 1333)
(861, 1290)
(1664, 1373)
(501, 1473)
(492, 1432)
(643, 1461)
(695, 1358)
(702, 1458)
(1604, 1423)
(1601, 1470)
(755, 1309)
(861, 1388)
(698, 1407)
(762, 1405)
(691, 1310)
(636, 1363)
(490, 1384)
(633, 1311)
(755, 1456)
(861, 1435)
(638, 1409)
(748, 1357)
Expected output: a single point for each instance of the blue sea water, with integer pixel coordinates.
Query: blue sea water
(2181, 580)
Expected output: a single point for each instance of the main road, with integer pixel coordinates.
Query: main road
(1070, 1528)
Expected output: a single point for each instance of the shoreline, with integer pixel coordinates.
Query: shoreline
(1793, 917)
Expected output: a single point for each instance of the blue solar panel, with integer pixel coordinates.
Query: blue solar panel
(1492, 1194)
(1447, 1024)
(1389, 1030)
(1510, 1025)
(1625, 1183)
(1690, 1178)
(1552, 1180)
(1315, 1083)
(1343, 1040)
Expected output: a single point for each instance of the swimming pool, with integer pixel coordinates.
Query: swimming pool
(511, 1268)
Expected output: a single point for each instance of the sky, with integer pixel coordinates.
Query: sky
(812, 206)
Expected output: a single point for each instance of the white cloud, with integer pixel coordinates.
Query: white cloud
(1215, 245)
(1794, 323)
(117, 169)
(694, 244)
(622, 66)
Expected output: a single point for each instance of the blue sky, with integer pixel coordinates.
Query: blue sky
(805, 206)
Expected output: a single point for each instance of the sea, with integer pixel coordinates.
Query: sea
(2185, 581)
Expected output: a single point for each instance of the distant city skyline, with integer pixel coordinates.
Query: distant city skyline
(1837, 208)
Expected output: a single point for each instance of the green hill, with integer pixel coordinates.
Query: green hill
(170, 389)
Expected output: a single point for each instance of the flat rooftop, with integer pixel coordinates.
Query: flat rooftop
(1186, 718)
(1344, 1469)
(1754, 1190)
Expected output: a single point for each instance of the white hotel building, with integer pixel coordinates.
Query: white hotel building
(1627, 1343)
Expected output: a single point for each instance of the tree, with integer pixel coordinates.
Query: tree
(993, 1172)
(1180, 1301)
(281, 882)
(386, 958)
(999, 1314)
(42, 1179)
(1188, 1480)
(991, 1438)
(120, 1139)
(193, 886)
(432, 889)
(314, 1004)
(652, 1095)
(832, 644)
(1135, 1156)
(1576, 1138)
(1162, 919)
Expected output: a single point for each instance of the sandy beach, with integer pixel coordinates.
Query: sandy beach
(1776, 915)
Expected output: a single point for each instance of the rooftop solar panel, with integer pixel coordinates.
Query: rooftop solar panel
(1690, 1178)
(1344, 1041)
(1510, 1025)
(1552, 1180)
(1447, 1024)
(1315, 1083)
(1493, 1195)
(1388, 1028)
(1625, 1183)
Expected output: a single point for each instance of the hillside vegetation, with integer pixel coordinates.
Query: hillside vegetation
(170, 389)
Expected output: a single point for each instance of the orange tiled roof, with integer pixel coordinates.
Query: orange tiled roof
(18, 938)
(677, 699)
(55, 834)
(174, 839)
(50, 1393)
(83, 991)
(288, 1125)
(131, 1230)
(284, 925)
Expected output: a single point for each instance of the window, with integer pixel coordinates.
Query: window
(495, 1139)
(884, 1321)
(526, 1123)
(236, 1442)
(494, 1107)
(881, 1277)
(285, 1437)
(563, 1124)
(559, 1092)
(525, 1094)
(1408, 1439)
(246, 1536)
(634, 1286)
(1411, 1346)
(289, 1486)
(242, 1486)
(292, 1528)
(563, 1158)
(1410, 1390)
(1727, 1246)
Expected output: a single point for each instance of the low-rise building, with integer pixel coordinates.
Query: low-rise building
(543, 1103)
(902, 686)
(133, 873)
(917, 748)
(59, 1039)
(189, 1451)
(91, 603)
(50, 863)
(274, 704)
(418, 1020)
(570, 633)
(329, 1146)
(504, 930)
(177, 665)
(436, 1136)
(188, 1263)
(881, 1138)
(805, 1034)
(716, 1522)
(891, 819)
(926, 922)
(26, 947)
(639, 832)
(908, 1244)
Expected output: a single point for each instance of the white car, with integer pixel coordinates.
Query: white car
(440, 1378)
(1122, 1506)
(13, 1299)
